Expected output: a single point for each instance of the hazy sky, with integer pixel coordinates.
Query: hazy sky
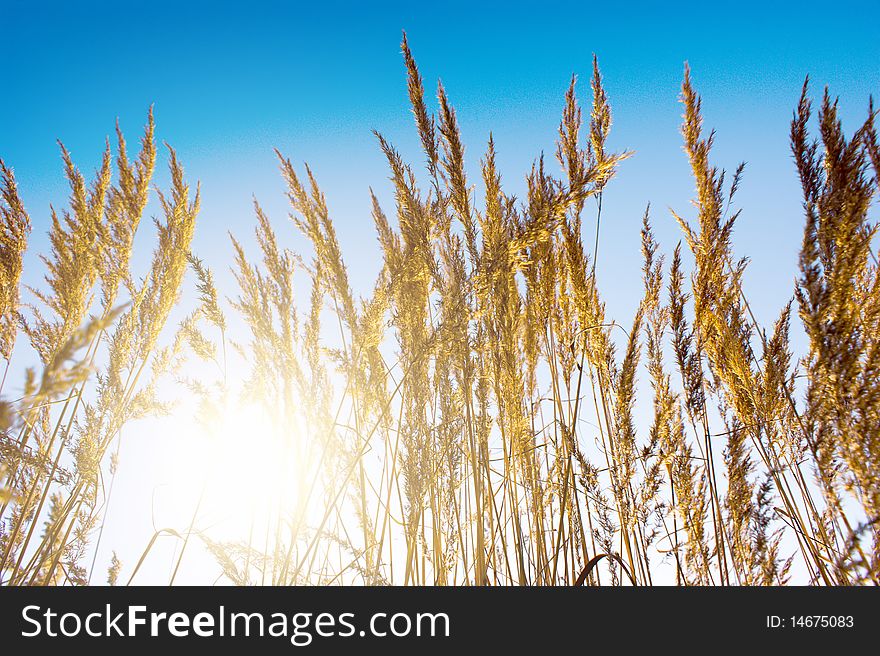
(229, 84)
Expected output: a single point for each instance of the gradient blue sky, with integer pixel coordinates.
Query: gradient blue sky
(231, 83)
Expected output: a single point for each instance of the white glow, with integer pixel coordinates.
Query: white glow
(232, 477)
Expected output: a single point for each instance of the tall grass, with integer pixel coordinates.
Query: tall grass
(472, 421)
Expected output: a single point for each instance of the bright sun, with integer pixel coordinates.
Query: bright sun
(230, 478)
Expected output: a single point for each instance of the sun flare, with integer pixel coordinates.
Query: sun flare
(231, 477)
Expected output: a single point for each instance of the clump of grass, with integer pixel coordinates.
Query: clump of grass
(473, 421)
(58, 434)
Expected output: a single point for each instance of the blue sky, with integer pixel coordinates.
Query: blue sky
(231, 83)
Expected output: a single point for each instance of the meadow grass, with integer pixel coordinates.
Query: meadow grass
(472, 421)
